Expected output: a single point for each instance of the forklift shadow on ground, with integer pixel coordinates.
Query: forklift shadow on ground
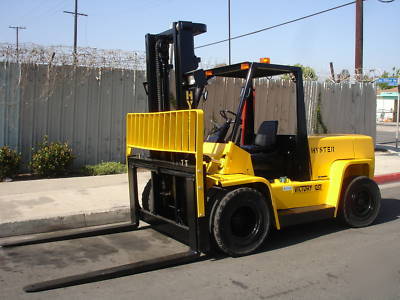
(290, 236)
(287, 237)
(390, 211)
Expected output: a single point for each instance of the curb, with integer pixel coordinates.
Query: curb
(387, 178)
(64, 222)
(100, 218)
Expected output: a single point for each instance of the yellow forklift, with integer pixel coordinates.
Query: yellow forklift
(229, 189)
(225, 190)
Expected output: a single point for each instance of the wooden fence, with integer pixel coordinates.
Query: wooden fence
(343, 108)
(86, 107)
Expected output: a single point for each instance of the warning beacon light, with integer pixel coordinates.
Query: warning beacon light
(265, 60)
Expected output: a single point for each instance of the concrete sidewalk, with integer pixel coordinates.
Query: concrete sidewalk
(64, 203)
(387, 162)
(53, 204)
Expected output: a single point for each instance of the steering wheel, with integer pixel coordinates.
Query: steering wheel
(224, 113)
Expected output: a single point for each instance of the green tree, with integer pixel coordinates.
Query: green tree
(344, 76)
(395, 73)
(308, 73)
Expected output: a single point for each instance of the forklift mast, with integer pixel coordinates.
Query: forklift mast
(173, 50)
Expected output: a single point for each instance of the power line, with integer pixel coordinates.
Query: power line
(38, 15)
(32, 9)
(44, 15)
(275, 26)
(50, 11)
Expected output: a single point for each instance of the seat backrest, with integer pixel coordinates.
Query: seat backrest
(266, 134)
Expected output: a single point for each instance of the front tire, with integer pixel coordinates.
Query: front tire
(146, 195)
(361, 202)
(241, 221)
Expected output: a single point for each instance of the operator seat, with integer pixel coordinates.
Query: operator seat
(265, 139)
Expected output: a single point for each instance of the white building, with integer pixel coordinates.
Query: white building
(386, 105)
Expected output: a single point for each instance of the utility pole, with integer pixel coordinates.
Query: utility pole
(358, 64)
(17, 28)
(229, 30)
(76, 14)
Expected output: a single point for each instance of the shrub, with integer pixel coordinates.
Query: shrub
(9, 162)
(104, 168)
(52, 159)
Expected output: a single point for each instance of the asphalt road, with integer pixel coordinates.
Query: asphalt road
(312, 261)
(385, 134)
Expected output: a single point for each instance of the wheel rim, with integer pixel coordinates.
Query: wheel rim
(362, 204)
(245, 223)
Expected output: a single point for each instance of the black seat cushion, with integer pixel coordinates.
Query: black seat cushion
(265, 139)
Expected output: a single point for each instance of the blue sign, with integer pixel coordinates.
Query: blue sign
(389, 81)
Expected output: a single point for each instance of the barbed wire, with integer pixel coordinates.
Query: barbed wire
(132, 60)
(62, 55)
(369, 74)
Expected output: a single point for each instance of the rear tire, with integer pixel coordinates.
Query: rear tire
(240, 221)
(361, 202)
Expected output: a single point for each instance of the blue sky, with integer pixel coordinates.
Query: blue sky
(122, 24)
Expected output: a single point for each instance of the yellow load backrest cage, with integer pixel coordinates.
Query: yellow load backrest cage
(173, 131)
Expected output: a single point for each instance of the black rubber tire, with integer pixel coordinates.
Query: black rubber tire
(361, 202)
(241, 221)
(146, 195)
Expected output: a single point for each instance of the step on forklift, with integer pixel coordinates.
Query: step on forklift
(226, 191)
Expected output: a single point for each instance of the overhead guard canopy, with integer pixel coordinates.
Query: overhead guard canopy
(260, 70)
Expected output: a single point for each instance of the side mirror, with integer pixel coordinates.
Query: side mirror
(205, 95)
